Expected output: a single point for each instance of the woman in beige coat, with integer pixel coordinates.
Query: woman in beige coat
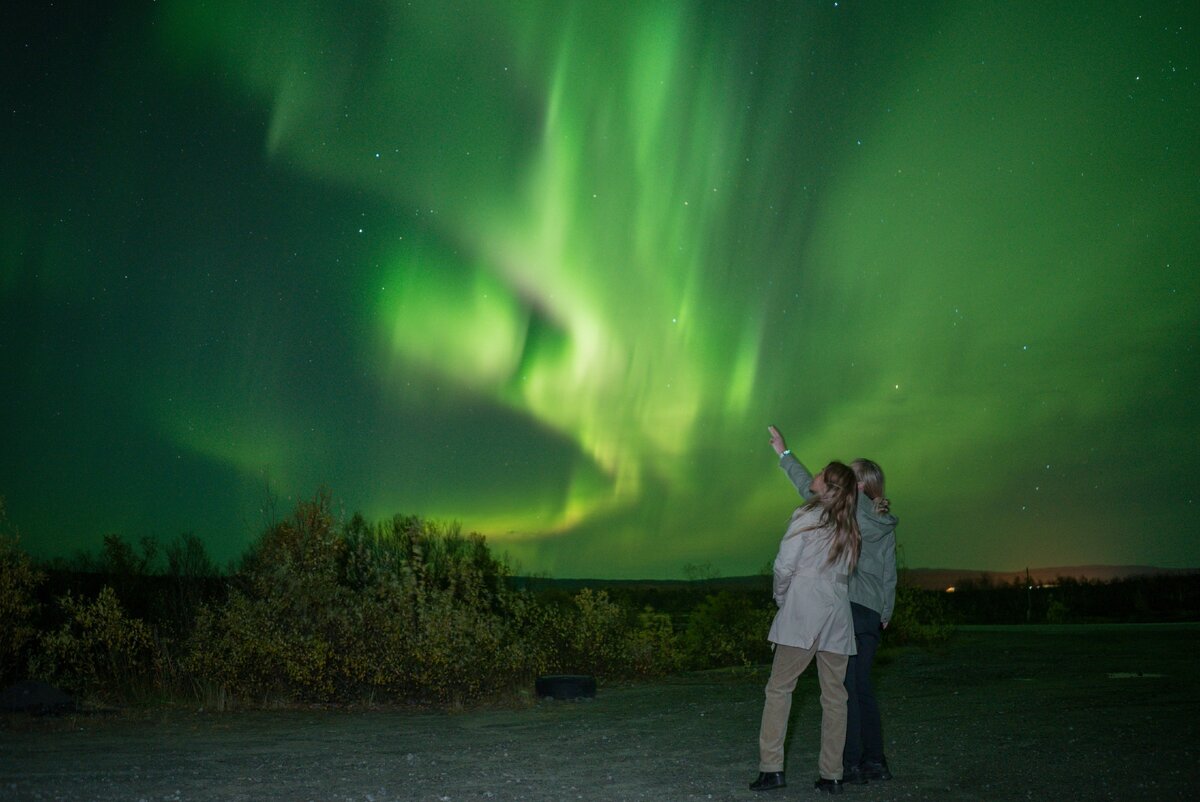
(816, 556)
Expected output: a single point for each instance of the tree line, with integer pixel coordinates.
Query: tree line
(412, 611)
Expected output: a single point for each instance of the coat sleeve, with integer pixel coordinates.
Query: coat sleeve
(799, 475)
(889, 578)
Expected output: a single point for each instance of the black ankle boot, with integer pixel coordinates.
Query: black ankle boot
(768, 781)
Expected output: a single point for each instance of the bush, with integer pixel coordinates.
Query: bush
(653, 649)
(408, 610)
(18, 605)
(98, 650)
(1057, 612)
(919, 617)
(285, 629)
(727, 630)
(596, 636)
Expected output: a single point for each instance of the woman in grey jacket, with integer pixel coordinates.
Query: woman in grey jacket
(872, 591)
(816, 556)
(872, 598)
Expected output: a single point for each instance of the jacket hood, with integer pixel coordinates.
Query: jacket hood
(873, 525)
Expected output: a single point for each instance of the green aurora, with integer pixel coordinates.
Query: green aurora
(549, 269)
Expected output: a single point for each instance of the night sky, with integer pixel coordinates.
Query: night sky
(549, 269)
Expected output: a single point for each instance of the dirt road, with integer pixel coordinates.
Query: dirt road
(998, 714)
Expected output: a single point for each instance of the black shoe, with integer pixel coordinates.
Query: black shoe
(768, 781)
(828, 786)
(853, 775)
(875, 770)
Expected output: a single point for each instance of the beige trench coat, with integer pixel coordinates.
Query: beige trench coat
(814, 606)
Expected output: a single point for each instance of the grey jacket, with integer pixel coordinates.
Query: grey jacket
(873, 582)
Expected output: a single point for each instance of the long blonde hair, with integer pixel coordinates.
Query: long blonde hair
(838, 505)
(871, 476)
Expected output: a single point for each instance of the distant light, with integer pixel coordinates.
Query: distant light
(950, 589)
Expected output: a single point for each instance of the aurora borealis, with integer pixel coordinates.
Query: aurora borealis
(550, 270)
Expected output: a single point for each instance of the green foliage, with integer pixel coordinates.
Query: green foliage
(653, 648)
(98, 650)
(281, 632)
(1057, 612)
(919, 617)
(590, 633)
(727, 630)
(595, 635)
(19, 581)
(407, 610)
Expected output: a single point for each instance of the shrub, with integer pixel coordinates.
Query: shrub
(18, 606)
(283, 631)
(919, 617)
(240, 649)
(727, 630)
(406, 610)
(596, 635)
(98, 650)
(1057, 612)
(653, 648)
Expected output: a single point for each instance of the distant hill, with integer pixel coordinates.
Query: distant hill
(927, 578)
(571, 585)
(942, 578)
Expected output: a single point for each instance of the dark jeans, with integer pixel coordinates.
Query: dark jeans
(864, 733)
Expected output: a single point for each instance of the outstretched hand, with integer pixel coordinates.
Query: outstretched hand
(777, 441)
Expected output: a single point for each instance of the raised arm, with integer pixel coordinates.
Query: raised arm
(794, 468)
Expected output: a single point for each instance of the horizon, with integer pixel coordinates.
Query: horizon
(551, 273)
(698, 573)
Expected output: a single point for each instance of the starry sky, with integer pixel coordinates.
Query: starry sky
(549, 269)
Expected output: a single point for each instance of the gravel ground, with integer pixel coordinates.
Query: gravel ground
(1099, 712)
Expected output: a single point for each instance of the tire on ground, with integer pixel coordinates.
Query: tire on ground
(566, 686)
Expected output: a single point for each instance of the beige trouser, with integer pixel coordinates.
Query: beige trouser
(787, 667)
